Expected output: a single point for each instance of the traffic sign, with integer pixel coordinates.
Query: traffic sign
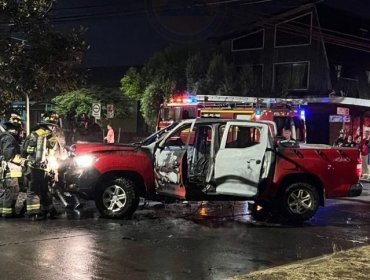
(339, 119)
(343, 111)
(110, 111)
(96, 109)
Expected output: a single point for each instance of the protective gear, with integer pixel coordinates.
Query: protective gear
(15, 126)
(11, 172)
(15, 119)
(39, 147)
(35, 174)
(12, 127)
(50, 117)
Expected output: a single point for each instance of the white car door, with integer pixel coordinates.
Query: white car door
(239, 161)
(169, 158)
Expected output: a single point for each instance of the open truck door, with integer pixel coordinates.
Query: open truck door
(171, 161)
(244, 158)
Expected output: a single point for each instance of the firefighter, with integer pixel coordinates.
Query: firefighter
(288, 141)
(11, 168)
(40, 147)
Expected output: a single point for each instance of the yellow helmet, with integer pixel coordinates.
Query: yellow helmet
(15, 119)
(50, 117)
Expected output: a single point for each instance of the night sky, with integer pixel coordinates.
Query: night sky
(128, 32)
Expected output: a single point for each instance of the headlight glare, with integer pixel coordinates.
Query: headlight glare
(53, 163)
(84, 161)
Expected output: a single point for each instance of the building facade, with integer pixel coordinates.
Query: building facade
(310, 51)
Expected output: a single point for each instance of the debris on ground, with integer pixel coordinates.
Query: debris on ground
(351, 264)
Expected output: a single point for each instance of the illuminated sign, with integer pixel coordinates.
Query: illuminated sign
(339, 119)
(342, 111)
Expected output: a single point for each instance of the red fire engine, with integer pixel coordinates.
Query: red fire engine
(286, 113)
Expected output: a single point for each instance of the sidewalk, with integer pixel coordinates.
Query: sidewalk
(351, 264)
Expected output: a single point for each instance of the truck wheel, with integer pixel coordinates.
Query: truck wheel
(117, 199)
(300, 202)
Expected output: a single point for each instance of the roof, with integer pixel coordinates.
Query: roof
(330, 18)
(346, 101)
(275, 15)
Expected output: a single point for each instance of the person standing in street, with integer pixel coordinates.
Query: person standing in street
(110, 134)
(11, 167)
(365, 155)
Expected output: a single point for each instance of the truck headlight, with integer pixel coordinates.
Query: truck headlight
(84, 161)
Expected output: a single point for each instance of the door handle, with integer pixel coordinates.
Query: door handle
(258, 161)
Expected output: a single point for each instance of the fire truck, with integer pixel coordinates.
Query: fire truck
(286, 113)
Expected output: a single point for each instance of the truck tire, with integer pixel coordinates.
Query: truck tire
(300, 202)
(117, 199)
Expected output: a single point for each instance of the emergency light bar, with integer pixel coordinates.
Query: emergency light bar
(183, 100)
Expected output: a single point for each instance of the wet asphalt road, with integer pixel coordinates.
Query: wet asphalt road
(175, 242)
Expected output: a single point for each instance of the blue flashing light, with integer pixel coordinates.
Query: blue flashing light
(302, 113)
(193, 100)
(258, 112)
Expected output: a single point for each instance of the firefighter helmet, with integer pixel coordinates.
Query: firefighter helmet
(15, 119)
(50, 117)
(14, 122)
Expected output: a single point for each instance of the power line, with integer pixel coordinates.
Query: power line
(294, 30)
(162, 8)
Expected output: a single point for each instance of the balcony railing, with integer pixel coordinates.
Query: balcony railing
(347, 87)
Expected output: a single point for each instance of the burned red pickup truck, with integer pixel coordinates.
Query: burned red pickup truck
(209, 159)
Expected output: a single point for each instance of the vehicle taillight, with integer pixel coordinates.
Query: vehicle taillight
(359, 166)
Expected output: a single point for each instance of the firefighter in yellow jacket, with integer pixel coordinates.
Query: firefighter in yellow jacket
(11, 167)
(39, 147)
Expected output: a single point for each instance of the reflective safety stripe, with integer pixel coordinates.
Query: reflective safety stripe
(33, 206)
(14, 174)
(30, 149)
(6, 210)
(43, 132)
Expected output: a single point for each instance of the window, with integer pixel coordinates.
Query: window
(199, 155)
(171, 114)
(242, 137)
(291, 76)
(299, 128)
(294, 32)
(189, 113)
(349, 72)
(179, 137)
(282, 122)
(338, 70)
(251, 41)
